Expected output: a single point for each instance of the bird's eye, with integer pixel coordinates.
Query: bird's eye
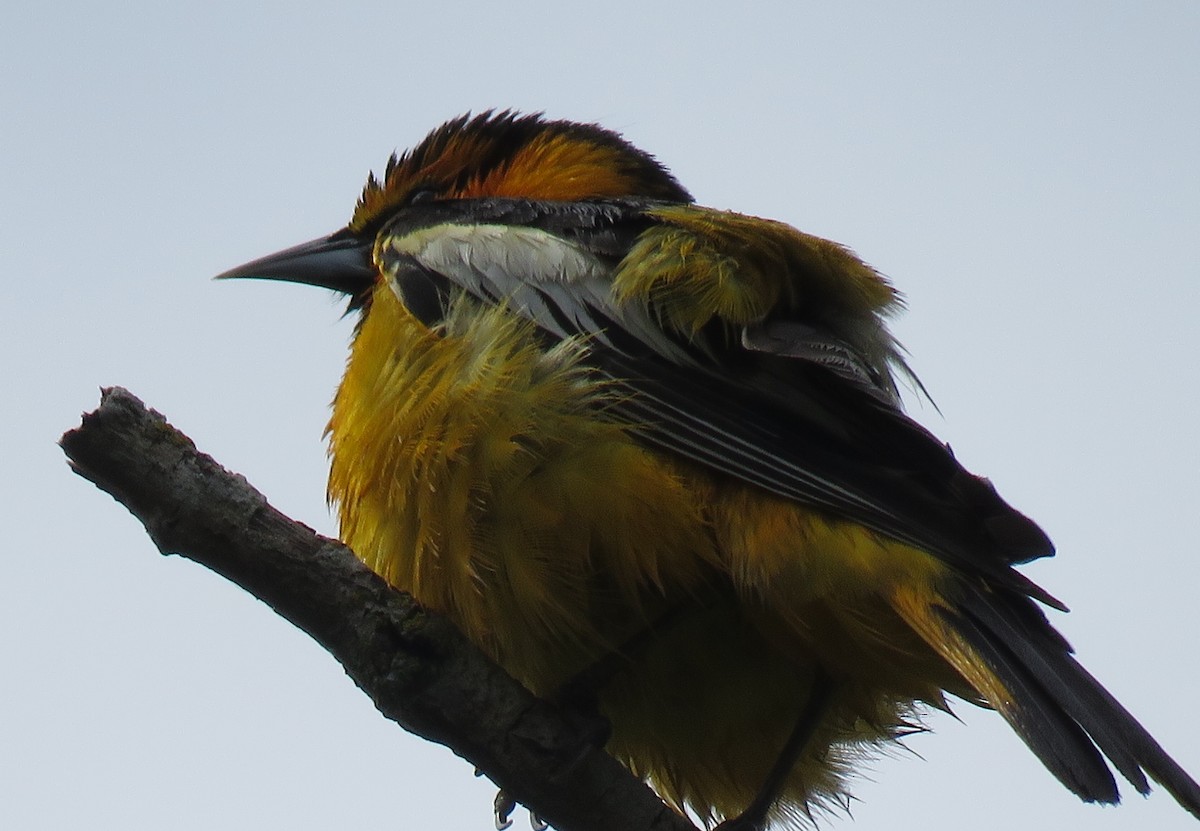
(422, 195)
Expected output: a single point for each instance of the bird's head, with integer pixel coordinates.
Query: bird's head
(491, 155)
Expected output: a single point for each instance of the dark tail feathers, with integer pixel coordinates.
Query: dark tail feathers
(1064, 714)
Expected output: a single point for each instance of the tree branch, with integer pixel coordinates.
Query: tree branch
(416, 667)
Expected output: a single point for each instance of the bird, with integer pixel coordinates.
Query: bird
(651, 457)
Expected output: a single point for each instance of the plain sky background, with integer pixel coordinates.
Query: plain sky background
(1028, 174)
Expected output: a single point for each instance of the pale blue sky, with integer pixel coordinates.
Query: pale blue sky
(1029, 176)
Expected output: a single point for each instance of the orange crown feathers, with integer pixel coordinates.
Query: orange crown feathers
(510, 155)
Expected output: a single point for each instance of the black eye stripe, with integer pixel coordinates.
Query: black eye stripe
(421, 195)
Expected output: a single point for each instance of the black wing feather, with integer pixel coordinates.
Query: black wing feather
(899, 480)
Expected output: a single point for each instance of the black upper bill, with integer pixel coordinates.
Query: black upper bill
(341, 262)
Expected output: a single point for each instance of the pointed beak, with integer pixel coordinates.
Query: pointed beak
(341, 262)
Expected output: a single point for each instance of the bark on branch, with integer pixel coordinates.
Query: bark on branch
(416, 667)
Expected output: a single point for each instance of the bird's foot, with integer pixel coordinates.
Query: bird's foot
(502, 808)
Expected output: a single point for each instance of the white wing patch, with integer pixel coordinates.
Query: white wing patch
(560, 286)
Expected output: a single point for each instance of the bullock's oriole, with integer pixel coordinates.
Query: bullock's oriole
(591, 421)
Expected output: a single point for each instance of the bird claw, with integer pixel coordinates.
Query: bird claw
(502, 807)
